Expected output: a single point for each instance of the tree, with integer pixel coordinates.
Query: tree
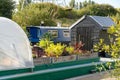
(6, 8)
(81, 5)
(90, 2)
(72, 3)
(116, 18)
(102, 10)
(33, 14)
(23, 3)
(86, 3)
(28, 1)
(98, 9)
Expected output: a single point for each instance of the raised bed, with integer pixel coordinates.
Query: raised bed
(48, 66)
(48, 60)
(53, 70)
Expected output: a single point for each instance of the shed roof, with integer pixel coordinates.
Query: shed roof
(104, 22)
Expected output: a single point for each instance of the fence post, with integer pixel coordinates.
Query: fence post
(31, 70)
(77, 57)
(51, 60)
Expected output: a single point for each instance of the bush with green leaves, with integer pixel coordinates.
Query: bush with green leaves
(98, 9)
(54, 49)
(50, 48)
(70, 49)
(113, 48)
(34, 14)
(7, 8)
(44, 43)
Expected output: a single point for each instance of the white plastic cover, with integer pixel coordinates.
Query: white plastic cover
(15, 51)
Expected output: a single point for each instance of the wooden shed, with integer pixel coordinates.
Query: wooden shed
(89, 29)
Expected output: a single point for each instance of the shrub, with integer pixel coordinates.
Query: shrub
(113, 48)
(33, 14)
(78, 48)
(70, 49)
(97, 9)
(46, 40)
(44, 43)
(54, 49)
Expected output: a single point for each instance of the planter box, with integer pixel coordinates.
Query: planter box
(64, 58)
(87, 56)
(42, 60)
(48, 60)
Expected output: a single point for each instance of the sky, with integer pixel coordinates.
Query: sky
(114, 3)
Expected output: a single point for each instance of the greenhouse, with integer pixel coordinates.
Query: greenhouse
(15, 52)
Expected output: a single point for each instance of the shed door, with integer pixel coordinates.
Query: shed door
(84, 34)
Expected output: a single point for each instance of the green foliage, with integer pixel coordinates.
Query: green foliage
(28, 1)
(70, 49)
(111, 30)
(33, 14)
(98, 9)
(6, 8)
(70, 14)
(113, 48)
(22, 4)
(86, 3)
(116, 18)
(101, 46)
(80, 5)
(44, 43)
(50, 48)
(54, 49)
(47, 36)
(72, 3)
(83, 11)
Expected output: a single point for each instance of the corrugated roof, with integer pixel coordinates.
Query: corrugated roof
(103, 21)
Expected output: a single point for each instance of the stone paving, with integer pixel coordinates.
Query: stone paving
(95, 76)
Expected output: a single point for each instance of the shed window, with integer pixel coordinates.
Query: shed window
(54, 33)
(66, 33)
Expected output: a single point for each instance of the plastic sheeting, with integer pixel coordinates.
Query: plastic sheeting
(15, 51)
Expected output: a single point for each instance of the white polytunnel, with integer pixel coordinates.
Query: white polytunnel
(15, 50)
